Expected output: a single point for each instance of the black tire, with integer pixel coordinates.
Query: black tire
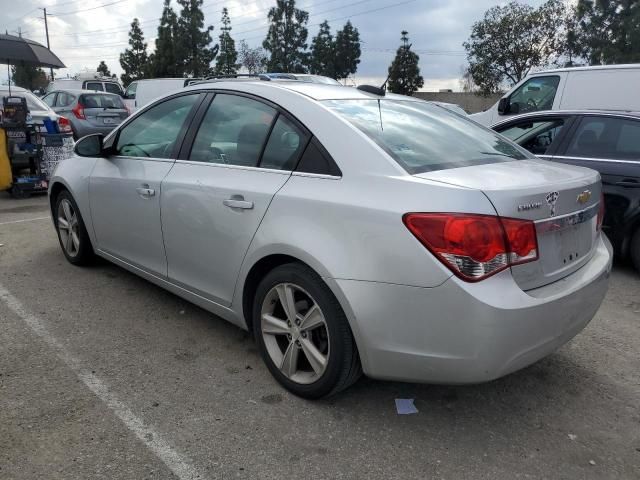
(84, 254)
(343, 363)
(634, 249)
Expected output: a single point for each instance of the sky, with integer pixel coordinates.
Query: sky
(83, 32)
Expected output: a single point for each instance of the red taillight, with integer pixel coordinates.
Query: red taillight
(600, 217)
(78, 111)
(64, 125)
(475, 247)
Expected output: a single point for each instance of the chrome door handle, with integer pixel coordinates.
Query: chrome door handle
(145, 192)
(237, 201)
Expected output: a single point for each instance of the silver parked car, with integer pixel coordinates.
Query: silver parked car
(348, 231)
(88, 112)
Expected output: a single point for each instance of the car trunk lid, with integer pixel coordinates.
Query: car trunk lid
(562, 200)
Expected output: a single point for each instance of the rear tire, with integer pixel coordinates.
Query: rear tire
(72, 234)
(303, 334)
(634, 249)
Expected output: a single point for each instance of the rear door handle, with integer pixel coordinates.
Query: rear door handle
(628, 183)
(145, 192)
(237, 201)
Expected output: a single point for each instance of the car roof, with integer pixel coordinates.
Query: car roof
(315, 91)
(561, 113)
(78, 91)
(591, 67)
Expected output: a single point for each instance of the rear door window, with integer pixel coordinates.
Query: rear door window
(423, 137)
(537, 136)
(94, 86)
(285, 145)
(233, 131)
(534, 95)
(112, 88)
(606, 138)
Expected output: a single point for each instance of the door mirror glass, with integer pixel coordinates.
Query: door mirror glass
(503, 106)
(90, 146)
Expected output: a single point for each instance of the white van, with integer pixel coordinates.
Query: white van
(141, 92)
(608, 87)
(99, 84)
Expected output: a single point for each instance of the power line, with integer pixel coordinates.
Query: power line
(87, 9)
(366, 12)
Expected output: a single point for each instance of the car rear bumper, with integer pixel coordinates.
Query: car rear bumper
(463, 332)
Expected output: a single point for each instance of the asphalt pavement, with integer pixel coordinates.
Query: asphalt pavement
(106, 376)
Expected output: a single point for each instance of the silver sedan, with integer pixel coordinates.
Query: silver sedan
(349, 231)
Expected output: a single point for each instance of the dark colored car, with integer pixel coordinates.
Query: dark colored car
(608, 142)
(88, 112)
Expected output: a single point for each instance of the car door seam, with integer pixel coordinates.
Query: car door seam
(244, 256)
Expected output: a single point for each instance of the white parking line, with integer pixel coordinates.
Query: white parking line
(25, 220)
(180, 466)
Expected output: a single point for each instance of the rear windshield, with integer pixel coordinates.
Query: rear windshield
(97, 100)
(423, 137)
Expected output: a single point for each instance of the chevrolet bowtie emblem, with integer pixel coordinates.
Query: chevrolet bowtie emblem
(584, 197)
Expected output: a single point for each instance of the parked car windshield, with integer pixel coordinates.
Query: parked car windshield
(97, 100)
(422, 137)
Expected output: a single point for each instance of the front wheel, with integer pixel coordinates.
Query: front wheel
(303, 334)
(72, 234)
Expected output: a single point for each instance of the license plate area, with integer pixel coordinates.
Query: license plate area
(567, 240)
(109, 120)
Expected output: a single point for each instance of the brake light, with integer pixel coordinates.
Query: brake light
(475, 247)
(64, 125)
(600, 217)
(78, 111)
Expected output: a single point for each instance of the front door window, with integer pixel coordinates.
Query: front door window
(534, 95)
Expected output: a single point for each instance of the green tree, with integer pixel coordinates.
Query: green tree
(165, 59)
(322, 60)
(511, 40)
(134, 60)
(29, 77)
(286, 40)
(404, 72)
(347, 47)
(253, 59)
(103, 69)
(194, 40)
(227, 60)
(609, 30)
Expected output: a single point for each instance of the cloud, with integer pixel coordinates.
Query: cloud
(436, 28)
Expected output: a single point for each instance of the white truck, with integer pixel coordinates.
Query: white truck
(608, 87)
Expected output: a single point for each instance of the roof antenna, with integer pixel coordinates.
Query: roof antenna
(382, 89)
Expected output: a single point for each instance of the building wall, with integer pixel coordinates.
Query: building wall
(471, 102)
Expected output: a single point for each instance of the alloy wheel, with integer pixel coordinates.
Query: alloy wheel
(68, 227)
(295, 333)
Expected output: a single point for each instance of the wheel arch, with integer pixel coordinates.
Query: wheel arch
(267, 262)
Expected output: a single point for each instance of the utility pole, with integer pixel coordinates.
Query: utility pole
(46, 29)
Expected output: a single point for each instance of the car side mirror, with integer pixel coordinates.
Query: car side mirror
(90, 146)
(503, 106)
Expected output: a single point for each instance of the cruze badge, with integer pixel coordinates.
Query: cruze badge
(584, 197)
(552, 198)
(529, 206)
